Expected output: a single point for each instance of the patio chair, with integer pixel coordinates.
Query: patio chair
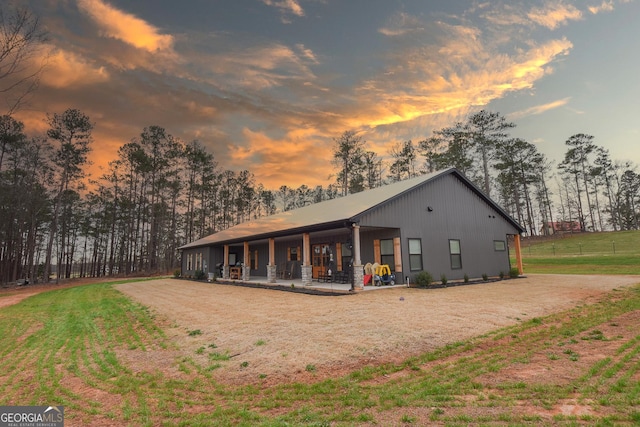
(292, 270)
(282, 271)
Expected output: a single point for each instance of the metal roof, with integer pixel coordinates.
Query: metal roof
(329, 214)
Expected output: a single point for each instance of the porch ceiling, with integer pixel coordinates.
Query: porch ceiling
(313, 235)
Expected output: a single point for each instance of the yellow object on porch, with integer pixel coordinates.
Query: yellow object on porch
(382, 269)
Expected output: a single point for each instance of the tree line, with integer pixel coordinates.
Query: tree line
(160, 192)
(157, 194)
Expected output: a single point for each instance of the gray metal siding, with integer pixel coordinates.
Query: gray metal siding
(207, 265)
(457, 213)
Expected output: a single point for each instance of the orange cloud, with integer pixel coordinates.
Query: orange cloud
(401, 24)
(67, 69)
(463, 72)
(533, 65)
(298, 158)
(126, 27)
(605, 6)
(258, 67)
(290, 6)
(554, 15)
(539, 109)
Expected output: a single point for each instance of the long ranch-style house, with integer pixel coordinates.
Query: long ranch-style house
(441, 223)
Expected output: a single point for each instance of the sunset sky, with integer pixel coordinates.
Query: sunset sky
(267, 85)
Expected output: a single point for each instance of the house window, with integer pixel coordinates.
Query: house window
(199, 261)
(415, 254)
(293, 253)
(499, 245)
(386, 253)
(189, 261)
(455, 254)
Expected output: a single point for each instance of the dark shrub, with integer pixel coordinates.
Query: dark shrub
(423, 279)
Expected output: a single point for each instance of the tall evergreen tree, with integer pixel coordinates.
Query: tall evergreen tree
(517, 162)
(348, 158)
(604, 169)
(71, 132)
(373, 170)
(629, 195)
(449, 147)
(487, 130)
(576, 163)
(404, 158)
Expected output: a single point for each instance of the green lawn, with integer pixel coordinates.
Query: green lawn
(584, 253)
(62, 348)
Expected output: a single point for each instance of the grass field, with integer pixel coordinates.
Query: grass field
(61, 347)
(593, 253)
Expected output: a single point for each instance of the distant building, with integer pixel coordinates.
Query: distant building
(440, 223)
(550, 228)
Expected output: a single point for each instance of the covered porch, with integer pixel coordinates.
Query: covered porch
(328, 257)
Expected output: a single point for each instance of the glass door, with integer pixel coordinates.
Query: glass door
(321, 258)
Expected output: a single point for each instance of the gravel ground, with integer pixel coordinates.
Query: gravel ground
(282, 336)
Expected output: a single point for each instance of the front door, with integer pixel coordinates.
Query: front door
(321, 257)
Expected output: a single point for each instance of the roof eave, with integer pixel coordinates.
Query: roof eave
(332, 225)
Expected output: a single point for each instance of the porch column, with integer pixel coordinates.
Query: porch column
(307, 270)
(358, 273)
(516, 241)
(246, 265)
(271, 268)
(225, 263)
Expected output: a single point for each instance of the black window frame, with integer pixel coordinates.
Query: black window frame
(502, 242)
(386, 257)
(415, 256)
(453, 257)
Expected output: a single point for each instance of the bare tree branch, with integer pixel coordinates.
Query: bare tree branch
(21, 58)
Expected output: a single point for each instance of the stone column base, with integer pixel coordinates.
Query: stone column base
(246, 273)
(271, 273)
(358, 278)
(307, 275)
(225, 272)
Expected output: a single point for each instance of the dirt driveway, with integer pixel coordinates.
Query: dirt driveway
(283, 336)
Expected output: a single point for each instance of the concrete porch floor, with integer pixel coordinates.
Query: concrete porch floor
(297, 284)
